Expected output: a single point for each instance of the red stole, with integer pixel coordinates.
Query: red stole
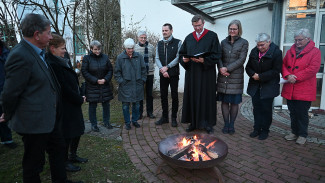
(203, 34)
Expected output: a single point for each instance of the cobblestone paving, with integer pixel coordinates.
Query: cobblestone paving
(248, 160)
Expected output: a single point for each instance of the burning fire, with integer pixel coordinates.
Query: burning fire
(192, 149)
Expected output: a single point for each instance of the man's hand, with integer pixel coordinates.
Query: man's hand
(186, 59)
(164, 69)
(2, 118)
(101, 81)
(256, 77)
(198, 60)
(292, 78)
(84, 97)
(166, 75)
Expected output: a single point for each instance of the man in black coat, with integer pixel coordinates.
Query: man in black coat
(30, 101)
(200, 53)
(167, 60)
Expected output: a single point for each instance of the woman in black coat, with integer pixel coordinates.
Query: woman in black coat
(98, 71)
(263, 68)
(72, 119)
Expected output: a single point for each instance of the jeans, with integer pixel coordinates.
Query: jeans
(299, 116)
(92, 113)
(263, 111)
(149, 98)
(135, 111)
(164, 84)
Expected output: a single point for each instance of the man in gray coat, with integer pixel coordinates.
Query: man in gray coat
(30, 101)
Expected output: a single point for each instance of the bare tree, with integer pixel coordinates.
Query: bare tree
(10, 21)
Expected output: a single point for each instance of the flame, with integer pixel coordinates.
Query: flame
(211, 144)
(195, 152)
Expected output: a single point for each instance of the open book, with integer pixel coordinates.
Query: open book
(202, 54)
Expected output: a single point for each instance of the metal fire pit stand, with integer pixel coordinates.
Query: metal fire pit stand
(215, 169)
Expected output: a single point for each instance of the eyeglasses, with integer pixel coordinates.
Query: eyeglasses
(197, 25)
(232, 29)
(143, 37)
(299, 40)
(260, 45)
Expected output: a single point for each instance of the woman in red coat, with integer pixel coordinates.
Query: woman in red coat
(300, 66)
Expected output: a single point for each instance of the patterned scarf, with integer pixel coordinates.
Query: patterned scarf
(146, 55)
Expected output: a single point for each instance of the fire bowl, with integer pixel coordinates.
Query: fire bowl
(220, 147)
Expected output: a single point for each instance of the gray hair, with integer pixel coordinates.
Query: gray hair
(129, 43)
(142, 32)
(95, 43)
(197, 18)
(237, 22)
(302, 32)
(34, 22)
(262, 37)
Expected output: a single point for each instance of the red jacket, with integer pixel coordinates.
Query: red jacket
(305, 66)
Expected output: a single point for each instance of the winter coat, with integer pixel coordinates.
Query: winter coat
(268, 69)
(233, 58)
(72, 118)
(151, 55)
(131, 75)
(94, 68)
(305, 67)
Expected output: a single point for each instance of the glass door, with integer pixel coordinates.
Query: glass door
(321, 72)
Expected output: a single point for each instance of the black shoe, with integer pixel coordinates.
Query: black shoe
(190, 128)
(263, 136)
(69, 181)
(162, 121)
(140, 117)
(136, 124)
(128, 127)
(231, 130)
(254, 134)
(108, 126)
(95, 128)
(174, 122)
(225, 130)
(69, 167)
(78, 159)
(209, 130)
(12, 145)
(151, 116)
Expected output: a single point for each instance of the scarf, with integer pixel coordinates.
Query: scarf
(146, 54)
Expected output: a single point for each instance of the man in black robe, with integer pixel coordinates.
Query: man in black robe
(200, 52)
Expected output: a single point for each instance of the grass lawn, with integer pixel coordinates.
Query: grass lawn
(108, 162)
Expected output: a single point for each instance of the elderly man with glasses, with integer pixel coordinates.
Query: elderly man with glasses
(200, 53)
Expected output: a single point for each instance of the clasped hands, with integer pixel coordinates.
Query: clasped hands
(101, 81)
(164, 72)
(292, 78)
(224, 71)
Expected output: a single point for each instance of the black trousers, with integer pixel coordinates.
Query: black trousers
(164, 84)
(262, 110)
(5, 132)
(72, 145)
(299, 116)
(35, 146)
(149, 98)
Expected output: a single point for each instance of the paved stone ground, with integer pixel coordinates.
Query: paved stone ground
(248, 159)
